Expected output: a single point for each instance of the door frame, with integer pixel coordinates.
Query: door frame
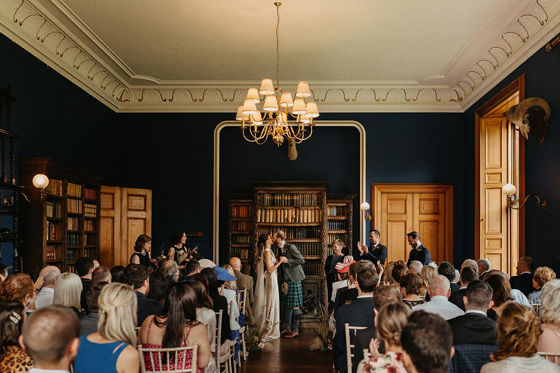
(378, 189)
(518, 85)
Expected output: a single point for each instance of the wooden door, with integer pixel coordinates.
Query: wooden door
(425, 208)
(126, 213)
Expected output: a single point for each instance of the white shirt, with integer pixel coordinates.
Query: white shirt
(37, 370)
(439, 305)
(44, 297)
(477, 312)
(234, 310)
(519, 297)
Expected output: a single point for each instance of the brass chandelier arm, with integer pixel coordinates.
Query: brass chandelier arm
(540, 204)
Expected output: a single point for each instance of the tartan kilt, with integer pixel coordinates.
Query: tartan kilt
(294, 298)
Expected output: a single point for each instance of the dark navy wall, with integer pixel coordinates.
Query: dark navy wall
(172, 154)
(542, 162)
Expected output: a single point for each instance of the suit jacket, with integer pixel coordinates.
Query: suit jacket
(246, 282)
(457, 298)
(422, 254)
(380, 252)
(473, 328)
(363, 337)
(454, 287)
(358, 313)
(146, 307)
(523, 282)
(293, 270)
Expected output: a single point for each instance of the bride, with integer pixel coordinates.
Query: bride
(267, 298)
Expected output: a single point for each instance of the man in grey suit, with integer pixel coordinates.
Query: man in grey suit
(244, 282)
(293, 276)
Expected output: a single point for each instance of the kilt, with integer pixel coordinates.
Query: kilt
(294, 298)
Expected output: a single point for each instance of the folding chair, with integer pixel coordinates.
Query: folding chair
(350, 331)
(241, 299)
(551, 356)
(224, 359)
(167, 359)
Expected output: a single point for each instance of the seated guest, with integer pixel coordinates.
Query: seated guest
(348, 294)
(524, 279)
(519, 329)
(193, 267)
(224, 278)
(45, 296)
(3, 272)
(18, 287)
(12, 358)
(360, 312)
(446, 269)
(469, 263)
(387, 277)
(171, 270)
(341, 275)
(410, 290)
(159, 286)
(50, 337)
(439, 292)
(415, 267)
(67, 292)
(427, 343)
(399, 271)
(101, 274)
(84, 269)
(116, 273)
(389, 322)
(474, 326)
(219, 302)
(516, 294)
(483, 267)
(137, 276)
(501, 295)
(88, 322)
(232, 285)
(428, 273)
(112, 347)
(176, 326)
(542, 276)
(244, 282)
(550, 316)
(468, 275)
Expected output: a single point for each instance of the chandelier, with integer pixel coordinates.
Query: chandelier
(282, 117)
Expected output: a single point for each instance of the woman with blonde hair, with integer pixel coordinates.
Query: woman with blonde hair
(67, 292)
(390, 321)
(519, 329)
(542, 276)
(550, 317)
(112, 347)
(232, 285)
(427, 274)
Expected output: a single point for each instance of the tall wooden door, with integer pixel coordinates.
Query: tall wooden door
(125, 213)
(425, 208)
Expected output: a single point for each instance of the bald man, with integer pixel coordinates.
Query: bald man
(439, 291)
(244, 282)
(45, 297)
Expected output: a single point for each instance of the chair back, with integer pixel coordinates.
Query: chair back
(219, 316)
(168, 360)
(551, 356)
(241, 299)
(469, 358)
(536, 307)
(350, 333)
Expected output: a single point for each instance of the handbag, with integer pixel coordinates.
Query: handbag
(285, 288)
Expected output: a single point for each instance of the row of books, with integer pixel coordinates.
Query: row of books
(74, 206)
(337, 224)
(74, 190)
(292, 232)
(243, 225)
(298, 215)
(241, 239)
(73, 223)
(54, 187)
(54, 231)
(243, 211)
(54, 209)
(70, 255)
(88, 225)
(51, 252)
(337, 210)
(90, 193)
(287, 199)
(313, 268)
(309, 248)
(90, 210)
(240, 252)
(73, 239)
(331, 237)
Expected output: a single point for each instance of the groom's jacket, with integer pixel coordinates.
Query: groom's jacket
(293, 270)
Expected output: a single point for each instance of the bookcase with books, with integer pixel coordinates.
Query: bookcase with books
(62, 224)
(299, 209)
(240, 231)
(339, 220)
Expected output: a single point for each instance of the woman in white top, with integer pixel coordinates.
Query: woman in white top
(267, 299)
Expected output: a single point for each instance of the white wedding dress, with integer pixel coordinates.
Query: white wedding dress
(267, 300)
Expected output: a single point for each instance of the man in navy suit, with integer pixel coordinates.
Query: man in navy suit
(360, 312)
(376, 251)
(419, 252)
(524, 280)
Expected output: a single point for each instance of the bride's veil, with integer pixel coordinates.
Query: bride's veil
(259, 291)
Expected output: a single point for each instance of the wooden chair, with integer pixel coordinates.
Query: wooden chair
(551, 356)
(177, 356)
(536, 307)
(350, 331)
(232, 343)
(241, 299)
(222, 359)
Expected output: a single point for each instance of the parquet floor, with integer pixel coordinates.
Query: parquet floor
(289, 356)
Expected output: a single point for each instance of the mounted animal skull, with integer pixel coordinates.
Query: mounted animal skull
(531, 117)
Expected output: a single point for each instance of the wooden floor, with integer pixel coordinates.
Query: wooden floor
(288, 356)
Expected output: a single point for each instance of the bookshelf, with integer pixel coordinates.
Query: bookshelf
(63, 224)
(339, 220)
(240, 231)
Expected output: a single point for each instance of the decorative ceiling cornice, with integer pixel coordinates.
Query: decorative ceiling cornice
(31, 26)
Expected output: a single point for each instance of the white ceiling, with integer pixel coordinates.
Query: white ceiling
(357, 55)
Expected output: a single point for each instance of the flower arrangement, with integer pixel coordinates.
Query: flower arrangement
(255, 335)
(323, 339)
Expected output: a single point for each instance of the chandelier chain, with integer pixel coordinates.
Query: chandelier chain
(277, 44)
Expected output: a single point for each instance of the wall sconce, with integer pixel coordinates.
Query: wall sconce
(365, 208)
(510, 190)
(40, 181)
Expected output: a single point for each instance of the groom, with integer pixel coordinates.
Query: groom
(293, 275)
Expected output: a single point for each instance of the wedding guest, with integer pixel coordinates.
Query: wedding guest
(439, 292)
(18, 287)
(45, 296)
(550, 316)
(101, 274)
(84, 269)
(428, 273)
(12, 358)
(116, 274)
(67, 292)
(88, 322)
(501, 295)
(136, 275)
(411, 285)
(542, 276)
(142, 251)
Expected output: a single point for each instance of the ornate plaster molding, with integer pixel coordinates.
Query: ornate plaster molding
(99, 73)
